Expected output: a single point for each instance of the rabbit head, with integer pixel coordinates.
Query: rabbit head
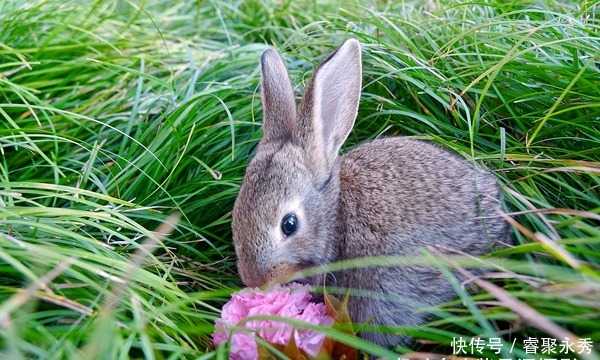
(285, 215)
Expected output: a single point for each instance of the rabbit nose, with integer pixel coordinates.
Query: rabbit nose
(281, 273)
(251, 282)
(250, 278)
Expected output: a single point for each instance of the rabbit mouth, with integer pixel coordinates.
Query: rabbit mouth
(300, 278)
(315, 280)
(301, 281)
(327, 278)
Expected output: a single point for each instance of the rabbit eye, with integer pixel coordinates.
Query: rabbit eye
(289, 224)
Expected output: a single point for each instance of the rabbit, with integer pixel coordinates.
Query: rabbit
(302, 205)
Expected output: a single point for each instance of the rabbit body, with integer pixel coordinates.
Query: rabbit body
(303, 205)
(398, 196)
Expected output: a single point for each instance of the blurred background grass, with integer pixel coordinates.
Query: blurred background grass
(116, 114)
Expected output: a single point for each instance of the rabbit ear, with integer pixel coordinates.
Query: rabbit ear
(330, 104)
(279, 106)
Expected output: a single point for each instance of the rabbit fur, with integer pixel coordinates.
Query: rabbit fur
(390, 196)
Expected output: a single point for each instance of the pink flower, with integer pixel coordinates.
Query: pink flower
(292, 302)
(311, 340)
(245, 347)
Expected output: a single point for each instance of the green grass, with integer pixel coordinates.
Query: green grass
(115, 115)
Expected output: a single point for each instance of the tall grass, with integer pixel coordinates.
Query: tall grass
(118, 118)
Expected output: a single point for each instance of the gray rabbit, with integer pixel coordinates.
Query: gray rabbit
(303, 205)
